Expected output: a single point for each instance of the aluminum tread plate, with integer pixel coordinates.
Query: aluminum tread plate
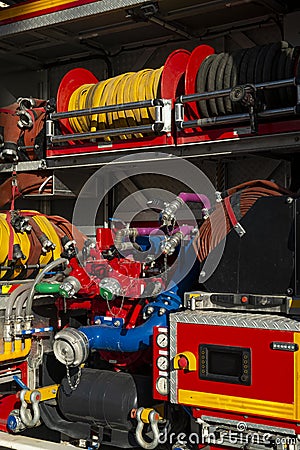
(233, 319)
(67, 15)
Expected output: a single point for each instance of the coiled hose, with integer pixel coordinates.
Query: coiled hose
(213, 231)
(276, 61)
(124, 88)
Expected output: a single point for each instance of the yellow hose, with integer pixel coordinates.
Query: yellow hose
(97, 100)
(18, 238)
(125, 88)
(25, 243)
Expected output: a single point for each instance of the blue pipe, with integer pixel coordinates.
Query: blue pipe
(107, 337)
(104, 337)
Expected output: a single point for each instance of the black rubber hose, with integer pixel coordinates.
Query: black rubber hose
(260, 63)
(280, 73)
(227, 83)
(250, 76)
(244, 66)
(211, 83)
(235, 74)
(202, 83)
(219, 84)
(270, 95)
(291, 91)
(258, 77)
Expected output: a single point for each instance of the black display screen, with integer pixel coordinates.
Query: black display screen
(226, 364)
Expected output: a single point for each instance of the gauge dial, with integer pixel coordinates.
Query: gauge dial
(162, 385)
(162, 363)
(162, 340)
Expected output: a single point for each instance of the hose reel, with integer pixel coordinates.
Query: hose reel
(259, 64)
(80, 91)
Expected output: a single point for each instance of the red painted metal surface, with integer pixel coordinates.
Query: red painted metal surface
(197, 57)
(172, 77)
(8, 402)
(70, 82)
(269, 368)
(129, 144)
(236, 131)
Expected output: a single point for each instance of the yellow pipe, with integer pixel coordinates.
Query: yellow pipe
(11, 352)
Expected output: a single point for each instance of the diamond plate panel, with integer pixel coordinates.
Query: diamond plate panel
(67, 15)
(229, 319)
(173, 373)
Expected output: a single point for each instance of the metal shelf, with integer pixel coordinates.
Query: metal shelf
(275, 144)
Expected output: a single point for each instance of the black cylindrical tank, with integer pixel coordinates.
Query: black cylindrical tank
(104, 397)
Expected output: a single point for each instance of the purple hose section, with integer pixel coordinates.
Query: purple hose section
(185, 230)
(195, 198)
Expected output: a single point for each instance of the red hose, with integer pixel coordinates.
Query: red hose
(249, 193)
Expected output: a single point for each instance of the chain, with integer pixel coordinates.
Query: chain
(36, 358)
(166, 268)
(74, 386)
(124, 291)
(120, 308)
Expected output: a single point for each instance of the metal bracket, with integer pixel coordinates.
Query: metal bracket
(161, 124)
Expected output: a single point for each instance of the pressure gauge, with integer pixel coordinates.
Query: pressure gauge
(162, 385)
(162, 363)
(162, 340)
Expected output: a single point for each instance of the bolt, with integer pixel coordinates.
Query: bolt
(117, 323)
(202, 274)
(161, 311)
(289, 200)
(98, 322)
(166, 303)
(150, 310)
(289, 291)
